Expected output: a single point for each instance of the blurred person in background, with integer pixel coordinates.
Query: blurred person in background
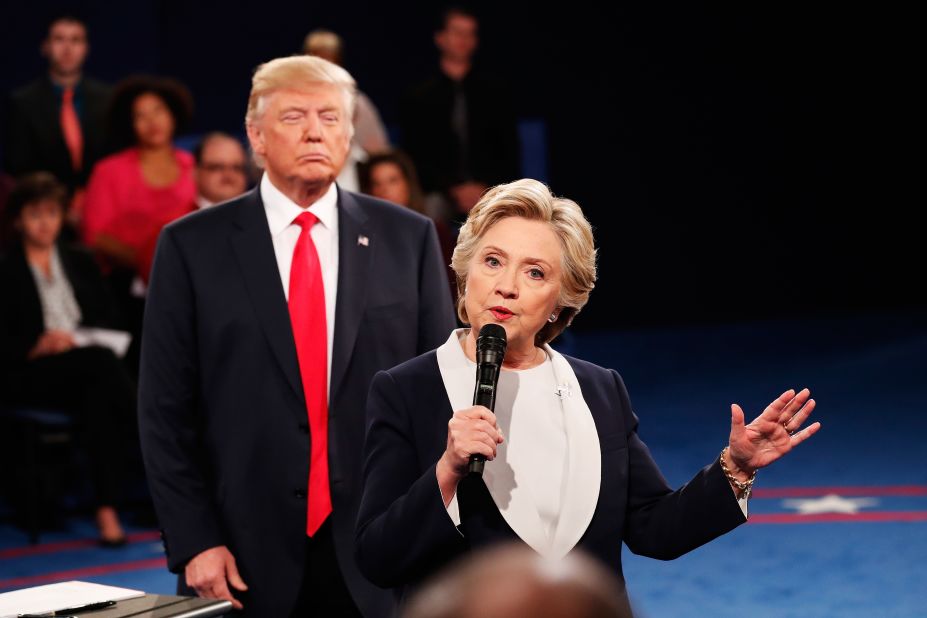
(459, 126)
(50, 291)
(369, 134)
(58, 122)
(136, 191)
(391, 176)
(221, 171)
(133, 193)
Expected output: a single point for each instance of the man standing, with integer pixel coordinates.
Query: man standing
(267, 318)
(221, 169)
(459, 126)
(56, 123)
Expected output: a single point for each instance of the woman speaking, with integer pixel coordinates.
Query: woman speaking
(565, 467)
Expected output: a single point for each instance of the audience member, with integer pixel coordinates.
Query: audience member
(135, 192)
(57, 123)
(512, 581)
(391, 176)
(459, 126)
(221, 169)
(369, 133)
(50, 294)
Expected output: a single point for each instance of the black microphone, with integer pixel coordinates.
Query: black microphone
(490, 350)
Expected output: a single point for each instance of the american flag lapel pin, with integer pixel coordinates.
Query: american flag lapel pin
(362, 240)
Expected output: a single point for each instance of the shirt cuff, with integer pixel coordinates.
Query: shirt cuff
(741, 502)
(453, 511)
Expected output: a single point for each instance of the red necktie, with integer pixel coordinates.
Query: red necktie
(70, 128)
(307, 315)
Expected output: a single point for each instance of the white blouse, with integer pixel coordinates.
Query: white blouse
(531, 418)
(60, 310)
(546, 474)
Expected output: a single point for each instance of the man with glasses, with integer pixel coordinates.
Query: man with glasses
(221, 169)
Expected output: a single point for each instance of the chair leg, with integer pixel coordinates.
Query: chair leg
(33, 489)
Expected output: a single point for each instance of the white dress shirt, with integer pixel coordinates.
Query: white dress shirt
(281, 211)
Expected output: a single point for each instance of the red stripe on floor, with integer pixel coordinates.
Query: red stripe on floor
(82, 573)
(50, 548)
(804, 492)
(796, 518)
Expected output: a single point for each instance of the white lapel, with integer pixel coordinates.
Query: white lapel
(583, 471)
(584, 466)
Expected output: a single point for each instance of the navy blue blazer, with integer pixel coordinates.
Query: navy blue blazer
(223, 418)
(404, 533)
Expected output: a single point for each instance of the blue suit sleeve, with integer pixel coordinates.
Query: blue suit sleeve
(170, 422)
(665, 524)
(403, 528)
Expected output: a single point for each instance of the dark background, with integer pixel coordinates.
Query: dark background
(738, 162)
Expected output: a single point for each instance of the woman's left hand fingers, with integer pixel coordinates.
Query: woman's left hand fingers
(804, 434)
(793, 423)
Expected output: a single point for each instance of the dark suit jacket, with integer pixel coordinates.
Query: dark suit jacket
(34, 139)
(21, 319)
(222, 414)
(404, 533)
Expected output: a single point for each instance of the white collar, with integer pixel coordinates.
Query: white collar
(281, 210)
(584, 465)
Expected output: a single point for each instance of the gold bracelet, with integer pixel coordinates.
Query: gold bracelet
(745, 487)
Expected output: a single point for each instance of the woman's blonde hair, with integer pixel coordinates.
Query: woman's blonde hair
(532, 200)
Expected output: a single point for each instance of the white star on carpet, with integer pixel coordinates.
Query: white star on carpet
(831, 503)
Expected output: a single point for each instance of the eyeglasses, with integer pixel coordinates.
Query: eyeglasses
(223, 167)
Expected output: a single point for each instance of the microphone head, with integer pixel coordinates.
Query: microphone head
(490, 344)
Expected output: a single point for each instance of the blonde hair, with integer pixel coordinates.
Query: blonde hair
(296, 72)
(532, 200)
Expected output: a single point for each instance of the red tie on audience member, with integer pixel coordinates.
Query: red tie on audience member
(307, 315)
(70, 128)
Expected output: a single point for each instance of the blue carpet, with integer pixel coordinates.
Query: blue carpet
(867, 374)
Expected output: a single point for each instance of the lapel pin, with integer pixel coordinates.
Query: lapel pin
(362, 240)
(564, 391)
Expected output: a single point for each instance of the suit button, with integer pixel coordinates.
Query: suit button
(300, 494)
(304, 427)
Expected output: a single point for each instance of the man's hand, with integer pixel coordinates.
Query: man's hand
(210, 573)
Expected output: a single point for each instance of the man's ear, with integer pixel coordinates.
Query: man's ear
(255, 138)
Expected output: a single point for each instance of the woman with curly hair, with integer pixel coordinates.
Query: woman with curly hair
(137, 190)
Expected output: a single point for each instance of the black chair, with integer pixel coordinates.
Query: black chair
(39, 450)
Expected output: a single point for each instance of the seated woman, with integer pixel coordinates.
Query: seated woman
(391, 176)
(566, 469)
(132, 194)
(49, 291)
